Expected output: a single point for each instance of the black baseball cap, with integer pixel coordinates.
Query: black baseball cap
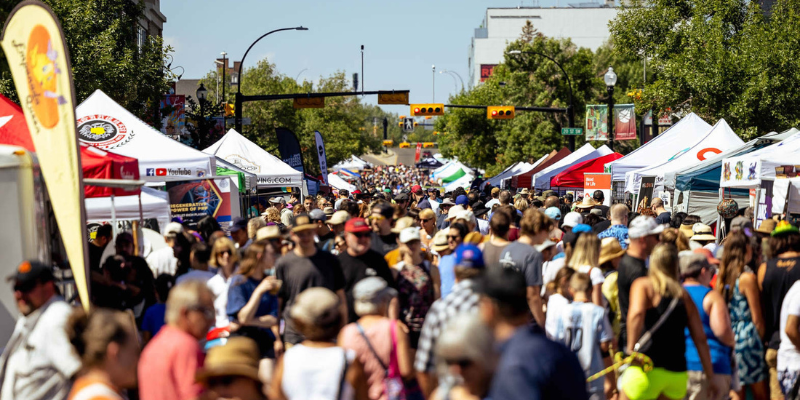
(28, 273)
(238, 224)
(506, 286)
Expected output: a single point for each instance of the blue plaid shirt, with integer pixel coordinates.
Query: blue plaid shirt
(616, 231)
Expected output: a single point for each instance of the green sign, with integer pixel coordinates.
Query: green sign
(572, 131)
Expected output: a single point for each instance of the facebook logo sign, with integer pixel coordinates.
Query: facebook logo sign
(151, 172)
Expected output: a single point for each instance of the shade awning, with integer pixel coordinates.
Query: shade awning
(572, 177)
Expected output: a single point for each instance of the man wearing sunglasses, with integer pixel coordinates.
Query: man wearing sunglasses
(383, 239)
(38, 361)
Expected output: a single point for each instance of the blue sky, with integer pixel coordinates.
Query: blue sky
(402, 39)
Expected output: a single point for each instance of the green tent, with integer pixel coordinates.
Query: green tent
(226, 171)
(452, 178)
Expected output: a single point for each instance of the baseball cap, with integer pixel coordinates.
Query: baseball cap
(28, 273)
(317, 215)
(302, 222)
(268, 232)
(402, 223)
(356, 225)
(238, 224)
(572, 219)
(372, 290)
(409, 234)
(495, 191)
(708, 255)
(553, 213)
(339, 217)
(691, 263)
(277, 200)
(469, 256)
(173, 229)
(401, 197)
(416, 189)
(462, 200)
(546, 244)
(644, 225)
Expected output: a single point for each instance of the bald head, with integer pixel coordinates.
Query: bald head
(619, 214)
(657, 203)
(551, 201)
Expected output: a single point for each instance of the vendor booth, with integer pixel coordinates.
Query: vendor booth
(353, 163)
(572, 177)
(154, 204)
(336, 182)
(541, 179)
(523, 179)
(104, 124)
(248, 156)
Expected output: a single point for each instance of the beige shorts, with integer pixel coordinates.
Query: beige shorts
(697, 388)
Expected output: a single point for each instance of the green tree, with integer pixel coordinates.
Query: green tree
(101, 39)
(718, 59)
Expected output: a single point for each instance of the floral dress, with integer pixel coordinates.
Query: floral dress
(749, 349)
(415, 294)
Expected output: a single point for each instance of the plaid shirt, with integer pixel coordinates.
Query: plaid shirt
(616, 231)
(462, 299)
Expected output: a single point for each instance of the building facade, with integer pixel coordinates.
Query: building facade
(586, 24)
(152, 22)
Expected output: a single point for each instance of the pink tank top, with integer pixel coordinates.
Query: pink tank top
(380, 337)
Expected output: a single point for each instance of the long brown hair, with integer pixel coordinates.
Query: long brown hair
(663, 272)
(732, 264)
(674, 236)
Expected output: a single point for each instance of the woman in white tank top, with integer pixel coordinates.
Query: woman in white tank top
(317, 369)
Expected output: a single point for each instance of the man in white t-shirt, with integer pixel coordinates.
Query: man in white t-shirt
(163, 261)
(788, 353)
(584, 329)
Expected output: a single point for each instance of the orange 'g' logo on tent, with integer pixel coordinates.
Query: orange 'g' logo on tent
(24, 268)
(42, 77)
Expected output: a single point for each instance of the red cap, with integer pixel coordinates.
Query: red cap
(356, 192)
(356, 225)
(708, 254)
(417, 189)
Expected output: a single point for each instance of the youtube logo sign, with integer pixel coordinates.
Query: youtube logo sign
(161, 172)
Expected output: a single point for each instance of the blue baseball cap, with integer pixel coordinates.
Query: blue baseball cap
(469, 256)
(553, 213)
(580, 228)
(461, 200)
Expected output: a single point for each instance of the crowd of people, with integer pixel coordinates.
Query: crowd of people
(394, 291)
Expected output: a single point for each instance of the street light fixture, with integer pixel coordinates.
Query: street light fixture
(238, 124)
(201, 92)
(454, 74)
(571, 107)
(433, 88)
(611, 79)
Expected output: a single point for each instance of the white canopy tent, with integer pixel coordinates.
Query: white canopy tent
(251, 179)
(465, 181)
(541, 180)
(271, 171)
(105, 124)
(353, 164)
(747, 171)
(337, 182)
(718, 140)
(449, 169)
(663, 147)
(155, 204)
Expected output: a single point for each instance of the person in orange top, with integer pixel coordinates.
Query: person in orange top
(106, 342)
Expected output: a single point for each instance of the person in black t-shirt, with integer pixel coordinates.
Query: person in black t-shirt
(360, 261)
(102, 237)
(325, 236)
(643, 235)
(306, 267)
(383, 239)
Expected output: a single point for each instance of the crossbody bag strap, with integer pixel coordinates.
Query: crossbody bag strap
(375, 353)
(643, 341)
(344, 375)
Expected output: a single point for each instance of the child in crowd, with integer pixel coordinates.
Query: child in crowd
(559, 297)
(584, 329)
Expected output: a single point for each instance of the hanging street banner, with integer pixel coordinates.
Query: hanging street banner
(417, 152)
(596, 122)
(33, 42)
(323, 158)
(174, 123)
(289, 147)
(625, 122)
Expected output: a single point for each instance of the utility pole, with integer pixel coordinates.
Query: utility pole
(433, 87)
(224, 67)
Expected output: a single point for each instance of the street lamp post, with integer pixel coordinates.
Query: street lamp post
(454, 74)
(611, 79)
(433, 88)
(224, 67)
(238, 123)
(201, 98)
(571, 107)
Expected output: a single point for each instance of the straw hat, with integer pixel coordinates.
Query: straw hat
(686, 230)
(767, 226)
(238, 357)
(610, 249)
(587, 202)
(440, 241)
(702, 232)
(402, 223)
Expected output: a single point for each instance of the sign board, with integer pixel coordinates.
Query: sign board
(391, 98)
(572, 131)
(664, 120)
(309, 102)
(666, 198)
(645, 198)
(486, 71)
(594, 181)
(196, 199)
(408, 125)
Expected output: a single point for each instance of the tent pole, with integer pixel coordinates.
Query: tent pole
(141, 213)
(113, 216)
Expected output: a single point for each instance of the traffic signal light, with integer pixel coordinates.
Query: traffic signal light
(423, 110)
(229, 109)
(500, 112)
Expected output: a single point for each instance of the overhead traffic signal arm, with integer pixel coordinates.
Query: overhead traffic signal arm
(514, 109)
(425, 110)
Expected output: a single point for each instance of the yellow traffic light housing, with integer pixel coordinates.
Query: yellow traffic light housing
(424, 110)
(500, 112)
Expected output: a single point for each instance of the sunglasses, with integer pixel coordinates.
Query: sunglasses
(228, 252)
(362, 235)
(25, 287)
(426, 220)
(207, 312)
(327, 204)
(223, 381)
(463, 363)
(453, 237)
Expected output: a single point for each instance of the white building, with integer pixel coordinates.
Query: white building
(585, 23)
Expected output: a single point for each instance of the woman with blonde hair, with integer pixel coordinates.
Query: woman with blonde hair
(674, 236)
(660, 296)
(273, 215)
(108, 348)
(586, 259)
(225, 259)
(521, 205)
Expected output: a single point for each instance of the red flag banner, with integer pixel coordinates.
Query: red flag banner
(624, 122)
(417, 153)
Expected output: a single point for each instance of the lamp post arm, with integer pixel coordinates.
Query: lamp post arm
(241, 63)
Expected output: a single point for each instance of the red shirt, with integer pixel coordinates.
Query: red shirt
(168, 365)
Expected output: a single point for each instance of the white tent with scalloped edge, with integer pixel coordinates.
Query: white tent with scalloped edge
(241, 152)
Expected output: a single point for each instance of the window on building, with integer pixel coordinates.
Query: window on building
(141, 37)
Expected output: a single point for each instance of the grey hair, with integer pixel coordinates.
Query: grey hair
(465, 337)
(183, 296)
(253, 225)
(375, 306)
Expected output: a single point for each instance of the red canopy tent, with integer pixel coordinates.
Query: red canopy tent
(523, 180)
(572, 177)
(96, 163)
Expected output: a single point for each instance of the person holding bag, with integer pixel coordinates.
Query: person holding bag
(380, 343)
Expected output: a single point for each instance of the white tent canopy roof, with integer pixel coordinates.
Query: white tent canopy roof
(337, 182)
(760, 164)
(239, 151)
(663, 147)
(449, 169)
(541, 180)
(352, 163)
(719, 139)
(155, 204)
(465, 181)
(107, 125)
